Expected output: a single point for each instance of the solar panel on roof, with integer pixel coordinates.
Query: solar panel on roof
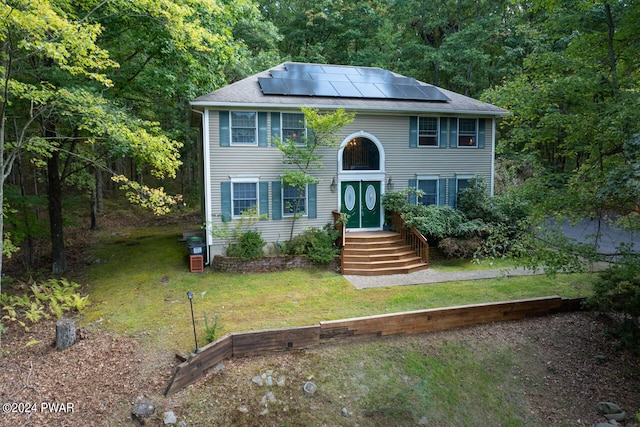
(282, 74)
(347, 90)
(336, 69)
(432, 93)
(273, 86)
(299, 87)
(366, 78)
(324, 88)
(369, 90)
(346, 82)
(329, 77)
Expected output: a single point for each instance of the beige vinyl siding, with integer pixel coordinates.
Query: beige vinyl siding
(402, 164)
(265, 162)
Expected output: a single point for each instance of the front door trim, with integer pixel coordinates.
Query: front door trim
(363, 175)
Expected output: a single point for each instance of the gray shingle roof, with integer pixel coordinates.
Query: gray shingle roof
(247, 93)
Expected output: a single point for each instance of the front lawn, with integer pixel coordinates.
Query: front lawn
(139, 279)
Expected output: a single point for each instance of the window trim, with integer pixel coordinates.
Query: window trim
(437, 132)
(306, 201)
(232, 127)
(304, 127)
(244, 180)
(434, 178)
(474, 137)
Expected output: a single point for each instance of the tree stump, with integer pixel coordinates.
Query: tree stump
(65, 333)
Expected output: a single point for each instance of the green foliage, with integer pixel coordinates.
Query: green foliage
(434, 222)
(211, 330)
(508, 227)
(323, 131)
(453, 247)
(53, 297)
(247, 245)
(318, 245)
(438, 222)
(242, 242)
(549, 249)
(618, 291)
(398, 201)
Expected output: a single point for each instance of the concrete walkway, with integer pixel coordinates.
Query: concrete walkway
(434, 276)
(431, 276)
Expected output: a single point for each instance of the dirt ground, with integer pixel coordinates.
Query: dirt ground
(571, 366)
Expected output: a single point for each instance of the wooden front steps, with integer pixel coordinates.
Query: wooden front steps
(378, 253)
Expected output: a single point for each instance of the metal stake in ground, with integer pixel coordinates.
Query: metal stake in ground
(193, 320)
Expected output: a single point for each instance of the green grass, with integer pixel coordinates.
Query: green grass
(139, 281)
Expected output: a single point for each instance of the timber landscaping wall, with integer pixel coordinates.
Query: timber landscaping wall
(413, 322)
(223, 264)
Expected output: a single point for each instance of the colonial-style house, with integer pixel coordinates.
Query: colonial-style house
(405, 134)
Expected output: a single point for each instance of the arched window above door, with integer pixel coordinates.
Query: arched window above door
(360, 154)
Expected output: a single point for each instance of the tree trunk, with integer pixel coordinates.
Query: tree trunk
(65, 333)
(54, 192)
(94, 209)
(99, 191)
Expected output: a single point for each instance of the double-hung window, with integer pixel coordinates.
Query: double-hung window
(243, 128)
(462, 183)
(244, 196)
(429, 186)
(428, 131)
(293, 127)
(292, 197)
(467, 132)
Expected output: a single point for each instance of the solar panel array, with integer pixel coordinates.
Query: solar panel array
(346, 82)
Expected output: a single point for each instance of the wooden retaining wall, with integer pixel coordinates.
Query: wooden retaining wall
(413, 322)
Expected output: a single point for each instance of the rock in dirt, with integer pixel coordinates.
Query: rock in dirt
(169, 418)
(143, 410)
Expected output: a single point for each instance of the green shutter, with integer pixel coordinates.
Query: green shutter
(413, 200)
(442, 191)
(225, 136)
(452, 192)
(413, 132)
(263, 133)
(276, 200)
(453, 132)
(482, 134)
(264, 199)
(275, 127)
(443, 132)
(313, 200)
(225, 198)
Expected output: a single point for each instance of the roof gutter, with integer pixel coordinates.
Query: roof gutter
(205, 104)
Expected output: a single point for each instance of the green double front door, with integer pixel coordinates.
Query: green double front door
(361, 201)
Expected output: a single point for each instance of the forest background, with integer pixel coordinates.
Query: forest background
(95, 94)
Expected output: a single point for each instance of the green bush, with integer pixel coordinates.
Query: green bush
(248, 245)
(439, 222)
(317, 244)
(507, 225)
(502, 223)
(242, 242)
(618, 291)
(453, 247)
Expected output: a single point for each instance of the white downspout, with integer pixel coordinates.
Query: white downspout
(493, 155)
(206, 178)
